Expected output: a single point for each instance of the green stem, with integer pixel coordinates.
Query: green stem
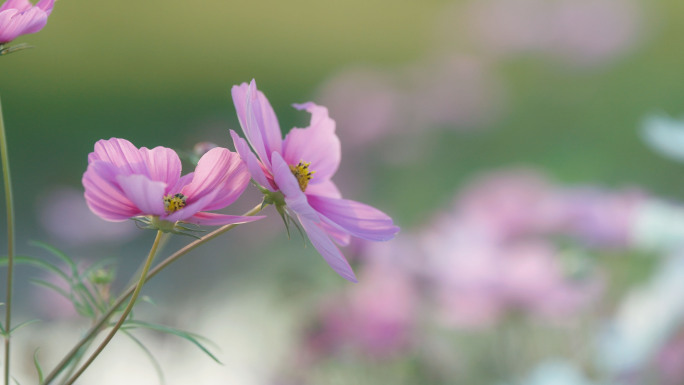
(10, 241)
(126, 312)
(122, 298)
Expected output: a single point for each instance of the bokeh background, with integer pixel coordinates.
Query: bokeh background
(541, 232)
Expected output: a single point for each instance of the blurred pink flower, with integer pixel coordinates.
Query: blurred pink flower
(601, 218)
(670, 361)
(66, 217)
(594, 31)
(123, 181)
(19, 17)
(366, 104)
(533, 278)
(53, 305)
(507, 26)
(451, 90)
(376, 316)
(582, 32)
(493, 253)
(300, 168)
(476, 283)
(511, 203)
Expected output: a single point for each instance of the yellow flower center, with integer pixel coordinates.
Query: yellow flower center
(302, 173)
(173, 203)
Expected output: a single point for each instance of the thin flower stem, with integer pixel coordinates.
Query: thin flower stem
(122, 298)
(126, 312)
(10, 241)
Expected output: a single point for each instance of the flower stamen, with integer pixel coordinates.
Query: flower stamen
(173, 203)
(302, 173)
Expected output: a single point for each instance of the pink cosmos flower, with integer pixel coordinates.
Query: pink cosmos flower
(299, 169)
(123, 182)
(19, 17)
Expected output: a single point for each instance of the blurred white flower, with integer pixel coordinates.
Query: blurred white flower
(665, 135)
(644, 320)
(557, 372)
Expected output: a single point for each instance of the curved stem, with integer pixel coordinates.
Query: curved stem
(126, 311)
(122, 298)
(10, 241)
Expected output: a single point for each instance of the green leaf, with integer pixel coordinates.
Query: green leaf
(59, 254)
(85, 309)
(148, 353)
(17, 47)
(37, 263)
(39, 370)
(146, 298)
(98, 265)
(21, 325)
(193, 338)
(53, 287)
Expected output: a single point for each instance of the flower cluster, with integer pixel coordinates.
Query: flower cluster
(124, 182)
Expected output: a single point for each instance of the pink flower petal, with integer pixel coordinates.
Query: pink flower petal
(326, 189)
(182, 182)
(14, 23)
(163, 165)
(219, 172)
(320, 240)
(317, 144)
(19, 5)
(341, 237)
(120, 153)
(46, 6)
(212, 219)
(358, 219)
(146, 194)
(255, 168)
(103, 194)
(288, 185)
(258, 120)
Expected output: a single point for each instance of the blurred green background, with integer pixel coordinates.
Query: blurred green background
(155, 72)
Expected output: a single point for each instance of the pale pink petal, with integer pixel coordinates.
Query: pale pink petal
(120, 153)
(14, 23)
(220, 172)
(146, 194)
(103, 194)
(326, 189)
(163, 165)
(341, 237)
(46, 5)
(317, 144)
(212, 219)
(329, 189)
(31, 21)
(258, 120)
(288, 185)
(182, 182)
(255, 168)
(19, 5)
(359, 219)
(320, 240)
